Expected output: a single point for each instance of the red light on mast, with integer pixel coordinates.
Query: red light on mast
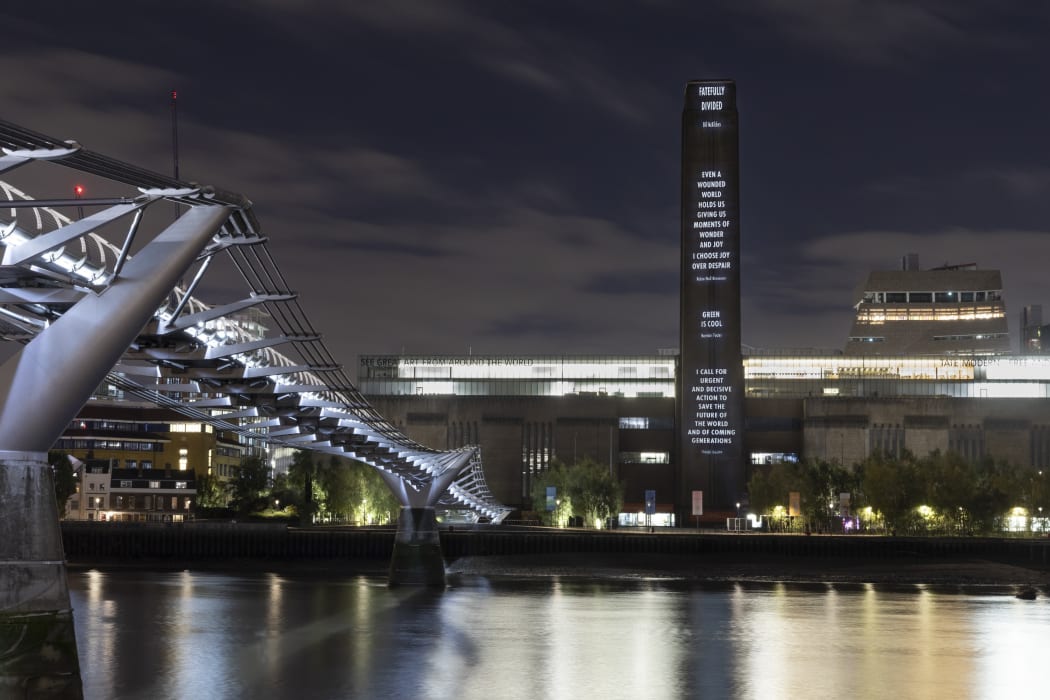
(78, 190)
(174, 95)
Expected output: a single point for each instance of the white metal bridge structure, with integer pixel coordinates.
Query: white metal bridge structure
(101, 289)
(61, 277)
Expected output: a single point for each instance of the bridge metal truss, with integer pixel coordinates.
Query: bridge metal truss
(277, 384)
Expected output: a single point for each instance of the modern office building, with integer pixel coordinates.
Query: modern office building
(112, 437)
(1035, 335)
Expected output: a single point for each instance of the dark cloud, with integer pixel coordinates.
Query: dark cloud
(895, 32)
(627, 281)
(384, 247)
(553, 327)
(504, 176)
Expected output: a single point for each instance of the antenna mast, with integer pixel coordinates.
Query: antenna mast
(175, 140)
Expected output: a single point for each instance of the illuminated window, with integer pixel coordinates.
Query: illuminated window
(773, 457)
(183, 459)
(645, 458)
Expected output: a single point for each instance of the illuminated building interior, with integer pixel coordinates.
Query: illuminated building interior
(950, 310)
(478, 375)
(652, 376)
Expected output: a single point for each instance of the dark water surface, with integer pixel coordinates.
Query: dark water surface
(206, 635)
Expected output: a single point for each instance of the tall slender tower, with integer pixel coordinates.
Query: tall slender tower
(710, 374)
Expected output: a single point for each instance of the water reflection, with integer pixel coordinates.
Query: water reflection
(185, 634)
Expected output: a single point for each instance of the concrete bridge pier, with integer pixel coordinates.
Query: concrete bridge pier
(417, 558)
(38, 650)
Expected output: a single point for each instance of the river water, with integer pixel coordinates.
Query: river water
(304, 637)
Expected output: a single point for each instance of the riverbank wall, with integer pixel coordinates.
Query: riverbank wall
(128, 543)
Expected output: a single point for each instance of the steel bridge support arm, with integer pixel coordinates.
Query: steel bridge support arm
(46, 383)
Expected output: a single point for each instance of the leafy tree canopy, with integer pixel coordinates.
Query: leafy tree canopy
(586, 490)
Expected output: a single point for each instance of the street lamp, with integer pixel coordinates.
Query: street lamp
(557, 512)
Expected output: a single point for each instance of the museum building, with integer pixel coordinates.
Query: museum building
(839, 406)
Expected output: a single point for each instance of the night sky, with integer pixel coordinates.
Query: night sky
(503, 177)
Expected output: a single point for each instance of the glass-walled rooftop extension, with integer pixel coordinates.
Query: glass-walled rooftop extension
(490, 375)
(1022, 376)
(765, 376)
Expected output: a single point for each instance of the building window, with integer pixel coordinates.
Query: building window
(645, 423)
(645, 458)
(154, 484)
(180, 484)
(759, 458)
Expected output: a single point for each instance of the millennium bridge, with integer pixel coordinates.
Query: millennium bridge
(105, 289)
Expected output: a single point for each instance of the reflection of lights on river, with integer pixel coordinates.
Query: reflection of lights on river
(101, 630)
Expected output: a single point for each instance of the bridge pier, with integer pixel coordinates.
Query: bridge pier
(417, 559)
(38, 650)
